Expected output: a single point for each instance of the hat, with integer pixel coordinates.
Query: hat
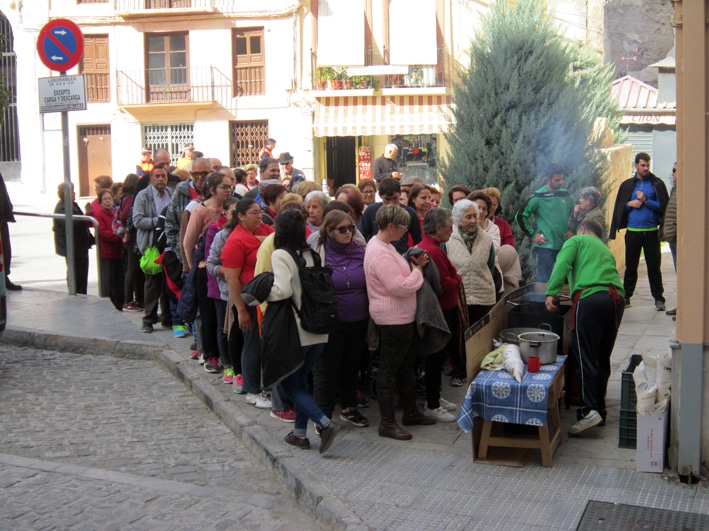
(285, 158)
(189, 146)
(412, 180)
(146, 151)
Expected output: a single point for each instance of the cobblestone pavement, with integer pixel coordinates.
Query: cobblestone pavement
(96, 442)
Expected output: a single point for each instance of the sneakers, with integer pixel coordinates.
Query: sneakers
(194, 355)
(286, 416)
(659, 305)
(354, 417)
(212, 365)
(301, 442)
(361, 401)
(327, 436)
(147, 327)
(261, 401)
(456, 382)
(229, 376)
(448, 406)
(238, 386)
(179, 331)
(440, 414)
(592, 418)
(200, 359)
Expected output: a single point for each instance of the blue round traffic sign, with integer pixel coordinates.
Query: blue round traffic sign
(60, 44)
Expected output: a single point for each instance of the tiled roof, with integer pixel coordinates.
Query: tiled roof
(639, 102)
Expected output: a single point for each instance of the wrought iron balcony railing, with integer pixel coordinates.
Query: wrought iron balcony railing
(173, 85)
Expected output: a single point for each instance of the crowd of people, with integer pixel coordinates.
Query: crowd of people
(215, 252)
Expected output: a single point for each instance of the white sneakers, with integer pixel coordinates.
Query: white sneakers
(261, 401)
(448, 406)
(440, 414)
(592, 418)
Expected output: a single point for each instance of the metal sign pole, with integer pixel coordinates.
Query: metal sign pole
(68, 205)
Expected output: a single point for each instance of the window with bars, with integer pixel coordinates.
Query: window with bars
(249, 62)
(9, 123)
(168, 71)
(246, 140)
(94, 66)
(172, 137)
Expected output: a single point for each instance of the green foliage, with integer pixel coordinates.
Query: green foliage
(528, 99)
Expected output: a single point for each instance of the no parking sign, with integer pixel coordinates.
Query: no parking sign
(60, 44)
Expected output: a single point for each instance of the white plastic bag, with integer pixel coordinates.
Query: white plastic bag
(664, 368)
(512, 361)
(650, 362)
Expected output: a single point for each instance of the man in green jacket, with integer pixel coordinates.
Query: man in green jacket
(598, 304)
(550, 206)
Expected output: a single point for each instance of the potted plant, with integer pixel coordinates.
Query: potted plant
(326, 76)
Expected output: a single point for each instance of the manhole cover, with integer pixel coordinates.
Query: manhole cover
(620, 517)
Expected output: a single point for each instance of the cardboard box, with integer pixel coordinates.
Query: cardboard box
(652, 432)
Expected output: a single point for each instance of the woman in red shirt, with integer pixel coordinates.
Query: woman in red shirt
(110, 236)
(238, 264)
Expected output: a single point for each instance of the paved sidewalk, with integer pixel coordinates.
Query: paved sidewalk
(366, 481)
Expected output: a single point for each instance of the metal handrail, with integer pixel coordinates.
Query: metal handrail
(75, 218)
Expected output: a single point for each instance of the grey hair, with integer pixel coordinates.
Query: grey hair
(317, 194)
(461, 207)
(590, 192)
(390, 147)
(434, 219)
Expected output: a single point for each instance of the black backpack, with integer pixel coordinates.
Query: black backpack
(318, 303)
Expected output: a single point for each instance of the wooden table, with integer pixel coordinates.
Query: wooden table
(546, 439)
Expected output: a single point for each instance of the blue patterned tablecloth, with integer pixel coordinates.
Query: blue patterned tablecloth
(497, 396)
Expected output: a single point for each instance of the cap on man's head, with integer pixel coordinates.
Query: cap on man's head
(285, 158)
(146, 151)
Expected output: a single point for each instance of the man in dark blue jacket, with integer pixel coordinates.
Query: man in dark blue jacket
(639, 208)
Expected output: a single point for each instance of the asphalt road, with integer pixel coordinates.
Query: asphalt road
(95, 442)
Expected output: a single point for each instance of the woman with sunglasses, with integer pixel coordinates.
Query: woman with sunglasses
(216, 189)
(336, 372)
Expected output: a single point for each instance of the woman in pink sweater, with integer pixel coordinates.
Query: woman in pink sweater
(391, 286)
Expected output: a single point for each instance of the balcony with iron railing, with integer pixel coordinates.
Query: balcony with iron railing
(384, 76)
(206, 85)
(152, 8)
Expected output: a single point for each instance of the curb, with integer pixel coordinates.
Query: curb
(306, 487)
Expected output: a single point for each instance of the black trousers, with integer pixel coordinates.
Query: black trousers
(337, 370)
(434, 362)
(208, 315)
(398, 348)
(155, 294)
(598, 317)
(647, 242)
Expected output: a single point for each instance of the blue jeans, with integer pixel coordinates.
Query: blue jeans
(546, 258)
(295, 387)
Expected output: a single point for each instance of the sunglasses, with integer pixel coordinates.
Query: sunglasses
(200, 173)
(225, 186)
(345, 229)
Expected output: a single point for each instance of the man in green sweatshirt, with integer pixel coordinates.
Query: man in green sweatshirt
(598, 303)
(550, 206)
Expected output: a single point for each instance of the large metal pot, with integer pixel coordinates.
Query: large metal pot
(540, 344)
(511, 335)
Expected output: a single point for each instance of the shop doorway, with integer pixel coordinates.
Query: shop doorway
(94, 156)
(341, 160)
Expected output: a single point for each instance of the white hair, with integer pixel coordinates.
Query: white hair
(319, 195)
(461, 207)
(391, 147)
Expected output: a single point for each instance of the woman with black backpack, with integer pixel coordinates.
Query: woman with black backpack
(292, 253)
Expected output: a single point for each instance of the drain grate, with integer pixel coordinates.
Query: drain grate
(617, 516)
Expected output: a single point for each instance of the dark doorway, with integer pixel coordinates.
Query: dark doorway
(341, 160)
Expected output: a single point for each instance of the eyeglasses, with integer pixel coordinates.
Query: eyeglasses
(255, 212)
(368, 192)
(225, 186)
(345, 229)
(404, 227)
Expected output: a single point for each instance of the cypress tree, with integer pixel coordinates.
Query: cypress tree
(528, 99)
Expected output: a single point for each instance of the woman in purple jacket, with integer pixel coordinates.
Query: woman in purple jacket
(336, 372)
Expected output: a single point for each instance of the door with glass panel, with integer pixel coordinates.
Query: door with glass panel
(168, 70)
